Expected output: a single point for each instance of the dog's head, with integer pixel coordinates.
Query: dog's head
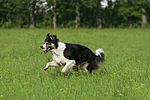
(51, 42)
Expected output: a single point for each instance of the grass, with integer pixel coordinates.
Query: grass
(125, 74)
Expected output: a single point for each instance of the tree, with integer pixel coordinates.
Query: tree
(90, 13)
(54, 15)
(66, 13)
(74, 13)
(143, 4)
(3, 13)
(99, 20)
(8, 23)
(144, 17)
(32, 9)
(43, 13)
(77, 14)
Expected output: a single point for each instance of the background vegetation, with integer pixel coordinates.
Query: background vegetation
(121, 14)
(125, 74)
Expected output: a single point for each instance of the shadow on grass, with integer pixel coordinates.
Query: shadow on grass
(54, 74)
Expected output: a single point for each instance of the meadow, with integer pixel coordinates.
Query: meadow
(125, 75)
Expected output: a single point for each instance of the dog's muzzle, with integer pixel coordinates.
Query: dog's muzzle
(45, 49)
(42, 47)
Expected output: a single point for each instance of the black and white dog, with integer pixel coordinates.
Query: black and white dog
(71, 55)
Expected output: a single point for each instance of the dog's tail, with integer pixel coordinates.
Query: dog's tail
(100, 55)
(97, 58)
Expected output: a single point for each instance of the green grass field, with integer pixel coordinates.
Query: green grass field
(125, 74)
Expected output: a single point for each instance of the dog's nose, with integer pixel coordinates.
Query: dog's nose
(41, 47)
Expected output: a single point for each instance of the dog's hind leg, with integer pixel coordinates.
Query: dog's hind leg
(52, 64)
(89, 68)
(84, 67)
(92, 66)
(75, 68)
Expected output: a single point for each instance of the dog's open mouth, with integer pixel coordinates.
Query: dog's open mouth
(48, 49)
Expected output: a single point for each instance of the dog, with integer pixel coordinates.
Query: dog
(71, 55)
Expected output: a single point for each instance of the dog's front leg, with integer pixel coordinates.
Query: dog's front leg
(51, 64)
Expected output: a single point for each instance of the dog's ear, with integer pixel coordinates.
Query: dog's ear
(53, 37)
(47, 36)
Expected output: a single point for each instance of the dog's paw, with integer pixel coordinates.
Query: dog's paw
(66, 74)
(45, 68)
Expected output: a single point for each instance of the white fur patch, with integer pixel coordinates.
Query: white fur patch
(44, 47)
(98, 52)
(58, 56)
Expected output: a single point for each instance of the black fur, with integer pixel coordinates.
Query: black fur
(80, 54)
(52, 39)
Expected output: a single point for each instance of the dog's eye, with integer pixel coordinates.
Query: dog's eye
(46, 43)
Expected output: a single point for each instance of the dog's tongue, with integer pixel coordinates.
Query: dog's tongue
(46, 51)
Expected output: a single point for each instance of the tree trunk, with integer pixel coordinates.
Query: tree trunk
(77, 15)
(99, 21)
(144, 17)
(54, 15)
(8, 23)
(32, 22)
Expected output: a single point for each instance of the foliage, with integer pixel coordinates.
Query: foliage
(65, 12)
(122, 13)
(125, 74)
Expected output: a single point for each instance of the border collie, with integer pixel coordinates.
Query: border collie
(71, 55)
